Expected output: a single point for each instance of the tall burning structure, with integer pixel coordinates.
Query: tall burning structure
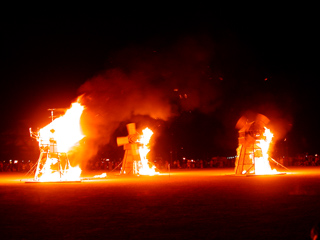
(55, 141)
(135, 160)
(254, 141)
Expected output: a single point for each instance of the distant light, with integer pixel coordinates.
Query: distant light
(266, 79)
(176, 89)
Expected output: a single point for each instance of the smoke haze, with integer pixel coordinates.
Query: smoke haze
(195, 76)
(145, 81)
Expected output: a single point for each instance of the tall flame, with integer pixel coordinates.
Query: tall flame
(65, 130)
(262, 165)
(55, 140)
(145, 168)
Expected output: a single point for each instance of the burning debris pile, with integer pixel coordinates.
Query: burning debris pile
(253, 149)
(55, 140)
(136, 149)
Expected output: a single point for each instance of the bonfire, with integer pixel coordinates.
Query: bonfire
(254, 147)
(136, 148)
(55, 141)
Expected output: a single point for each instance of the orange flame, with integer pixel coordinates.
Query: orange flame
(145, 168)
(67, 131)
(262, 165)
(55, 140)
(48, 174)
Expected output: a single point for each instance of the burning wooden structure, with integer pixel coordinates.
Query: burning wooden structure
(55, 140)
(135, 160)
(131, 146)
(254, 141)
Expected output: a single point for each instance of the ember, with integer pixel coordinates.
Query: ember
(55, 140)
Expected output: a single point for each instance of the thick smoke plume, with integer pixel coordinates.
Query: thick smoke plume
(149, 81)
(199, 87)
(181, 70)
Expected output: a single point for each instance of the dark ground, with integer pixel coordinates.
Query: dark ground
(188, 204)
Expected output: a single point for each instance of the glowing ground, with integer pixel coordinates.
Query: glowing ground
(188, 204)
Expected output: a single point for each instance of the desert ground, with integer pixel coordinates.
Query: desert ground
(182, 204)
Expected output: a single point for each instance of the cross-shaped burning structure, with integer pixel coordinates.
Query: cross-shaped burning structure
(135, 157)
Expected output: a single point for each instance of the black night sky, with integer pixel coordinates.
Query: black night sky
(204, 69)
